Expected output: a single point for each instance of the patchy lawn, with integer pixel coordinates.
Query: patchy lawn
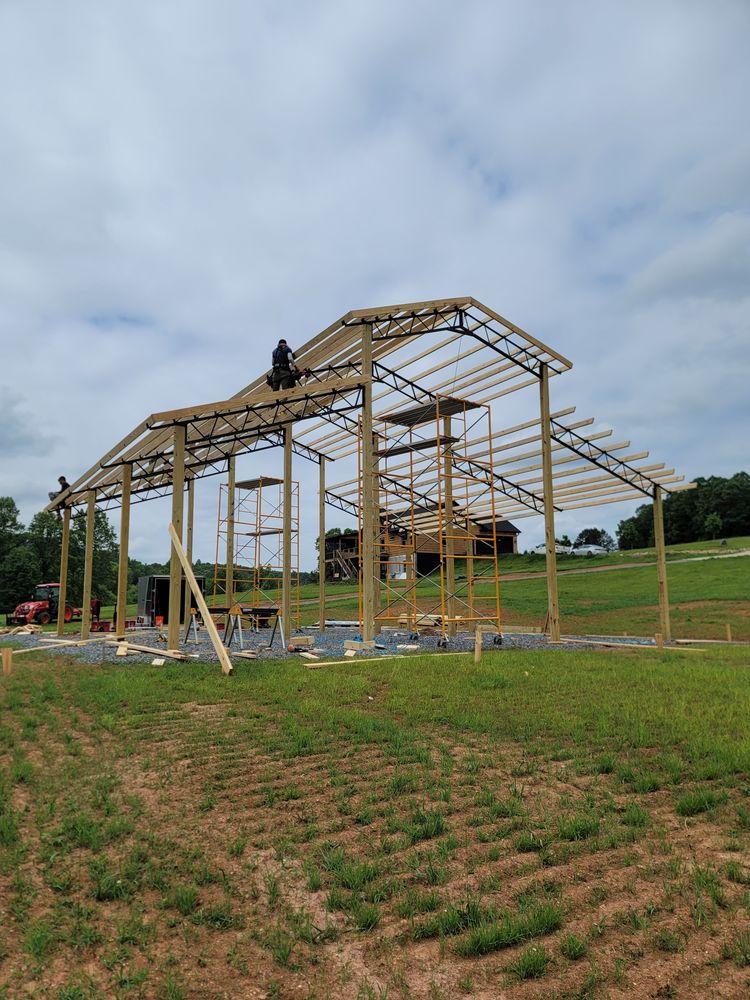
(554, 825)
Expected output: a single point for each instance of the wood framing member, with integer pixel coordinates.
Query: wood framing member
(88, 564)
(200, 601)
(553, 608)
(661, 565)
(190, 518)
(369, 497)
(229, 590)
(449, 529)
(322, 544)
(286, 557)
(64, 551)
(175, 571)
(377, 588)
(122, 566)
(187, 603)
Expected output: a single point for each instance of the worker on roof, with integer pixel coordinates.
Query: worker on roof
(282, 367)
(64, 485)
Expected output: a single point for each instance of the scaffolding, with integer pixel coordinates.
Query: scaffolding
(436, 504)
(252, 576)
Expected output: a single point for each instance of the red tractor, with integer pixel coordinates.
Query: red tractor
(41, 607)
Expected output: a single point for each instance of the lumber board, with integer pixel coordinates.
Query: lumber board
(173, 654)
(219, 648)
(622, 645)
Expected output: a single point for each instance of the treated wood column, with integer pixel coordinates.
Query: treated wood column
(286, 557)
(322, 544)
(88, 564)
(368, 514)
(64, 552)
(190, 515)
(661, 565)
(187, 599)
(122, 566)
(449, 530)
(553, 607)
(230, 531)
(175, 567)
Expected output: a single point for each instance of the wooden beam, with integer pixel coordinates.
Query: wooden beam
(661, 565)
(88, 564)
(553, 608)
(322, 544)
(175, 576)
(190, 519)
(221, 652)
(259, 400)
(62, 596)
(122, 566)
(7, 660)
(229, 589)
(286, 553)
(369, 498)
(448, 527)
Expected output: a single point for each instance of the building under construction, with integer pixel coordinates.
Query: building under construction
(405, 401)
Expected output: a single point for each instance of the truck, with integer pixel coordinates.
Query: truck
(41, 607)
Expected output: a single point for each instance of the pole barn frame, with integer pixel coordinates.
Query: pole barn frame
(365, 364)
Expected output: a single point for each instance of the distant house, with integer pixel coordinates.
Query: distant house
(342, 552)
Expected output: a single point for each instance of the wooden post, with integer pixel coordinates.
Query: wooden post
(200, 601)
(286, 557)
(369, 500)
(661, 565)
(553, 608)
(8, 656)
(470, 549)
(477, 644)
(88, 565)
(659, 640)
(175, 568)
(62, 596)
(190, 516)
(380, 536)
(122, 566)
(449, 530)
(322, 545)
(186, 601)
(729, 632)
(230, 531)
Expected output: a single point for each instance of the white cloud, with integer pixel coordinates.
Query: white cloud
(184, 182)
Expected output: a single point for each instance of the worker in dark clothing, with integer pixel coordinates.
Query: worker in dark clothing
(282, 367)
(64, 486)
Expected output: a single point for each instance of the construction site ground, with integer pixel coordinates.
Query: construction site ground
(544, 824)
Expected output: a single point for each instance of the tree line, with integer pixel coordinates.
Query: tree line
(31, 554)
(718, 507)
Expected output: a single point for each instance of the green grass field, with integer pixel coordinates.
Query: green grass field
(548, 824)
(706, 594)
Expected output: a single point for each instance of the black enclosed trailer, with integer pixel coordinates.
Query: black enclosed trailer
(153, 598)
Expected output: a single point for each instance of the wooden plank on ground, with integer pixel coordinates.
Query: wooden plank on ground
(173, 654)
(622, 645)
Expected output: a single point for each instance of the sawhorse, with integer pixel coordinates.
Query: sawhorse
(234, 626)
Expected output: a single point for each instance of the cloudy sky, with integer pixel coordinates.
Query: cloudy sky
(184, 182)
